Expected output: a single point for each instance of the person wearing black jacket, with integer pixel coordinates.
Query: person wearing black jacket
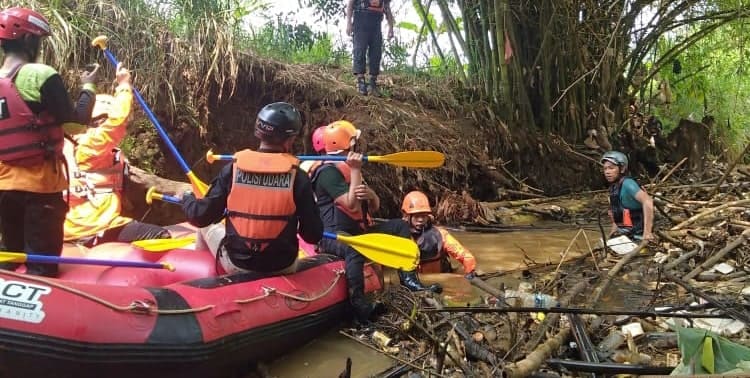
(266, 200)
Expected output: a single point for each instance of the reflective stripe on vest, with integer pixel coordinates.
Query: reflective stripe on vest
(261, 202)
(26, 139)
(627, 219)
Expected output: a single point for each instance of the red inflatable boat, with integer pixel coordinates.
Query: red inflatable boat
(97, 321)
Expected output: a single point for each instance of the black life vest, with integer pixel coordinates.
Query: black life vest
(630, 220)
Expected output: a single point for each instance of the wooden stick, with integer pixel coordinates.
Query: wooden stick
(616, 269)
(534, 359)
(709, 211)
(719, 255)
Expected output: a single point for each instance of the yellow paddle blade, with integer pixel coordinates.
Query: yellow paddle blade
(388, 250)
(161, 245)
(12, 257)
(200, 188)
(411, 159)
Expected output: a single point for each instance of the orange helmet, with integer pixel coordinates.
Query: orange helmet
(416, 202)
(102, 106)
(337, 136)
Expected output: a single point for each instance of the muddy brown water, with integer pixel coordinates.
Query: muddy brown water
(326, 356)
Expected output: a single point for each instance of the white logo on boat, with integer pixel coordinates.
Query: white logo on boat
(21, 301)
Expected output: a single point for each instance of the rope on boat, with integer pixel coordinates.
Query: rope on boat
(146, 307)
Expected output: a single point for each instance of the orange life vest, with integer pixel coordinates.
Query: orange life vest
(261, 202)
(26, 139)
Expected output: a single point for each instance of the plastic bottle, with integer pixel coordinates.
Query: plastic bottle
(537, 300)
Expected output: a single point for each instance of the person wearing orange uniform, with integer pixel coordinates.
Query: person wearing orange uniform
(35, 113)
(436, 245)
(266, 200)
(97, 171)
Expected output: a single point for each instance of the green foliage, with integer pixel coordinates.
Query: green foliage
(296, 43)
(327, 10)
(714, 81)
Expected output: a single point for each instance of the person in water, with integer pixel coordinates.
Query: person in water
(436, 245)
(266, 200)
(631, 209)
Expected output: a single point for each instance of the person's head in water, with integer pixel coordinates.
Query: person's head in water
(615, 164)
(416, 211)
(340, 137)
(277, 126)
(21, 32)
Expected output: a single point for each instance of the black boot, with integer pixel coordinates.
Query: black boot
(364, 311)
(411, 281)
(374, 86)
(361, 86)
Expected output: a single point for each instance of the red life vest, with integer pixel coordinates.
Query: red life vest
(261, 202)
(324, 202)
(372, 5)
(26, 139)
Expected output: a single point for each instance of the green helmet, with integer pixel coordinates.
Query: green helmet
(616, 158)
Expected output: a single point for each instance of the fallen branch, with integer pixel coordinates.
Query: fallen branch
(710, 211)
(719, 255)
(533, 360)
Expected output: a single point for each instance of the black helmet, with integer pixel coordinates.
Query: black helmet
(278, 121)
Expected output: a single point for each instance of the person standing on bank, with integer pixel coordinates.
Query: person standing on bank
(363, 23)
(35, 113)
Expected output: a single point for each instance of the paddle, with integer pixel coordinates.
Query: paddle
(409, 159)
(199, 186)
(388, 250)
(152, 195)
(43, 259)
(161, 245)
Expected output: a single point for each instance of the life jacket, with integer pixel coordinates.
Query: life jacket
(261, 204)
(630, 220)
(376, 6)
(432, 256)
(310, 166)
(336, 216)
(26, 139)
(94, 198)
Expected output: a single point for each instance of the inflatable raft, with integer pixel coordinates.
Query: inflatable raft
(98, 321)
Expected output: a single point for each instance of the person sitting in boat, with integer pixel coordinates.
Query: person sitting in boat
(32, 180)
(345, 202)
(267, 197)
(436, 245)
(97, 170)
(318, 146)
(631, 209)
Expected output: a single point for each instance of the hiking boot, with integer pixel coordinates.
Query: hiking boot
(374, 87)
(411, 281)
(361, 86)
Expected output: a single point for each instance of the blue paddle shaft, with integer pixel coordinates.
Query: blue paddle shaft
(171, 199)
(330, 235)
(42, 259)
(302, 157)
(153, 119)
